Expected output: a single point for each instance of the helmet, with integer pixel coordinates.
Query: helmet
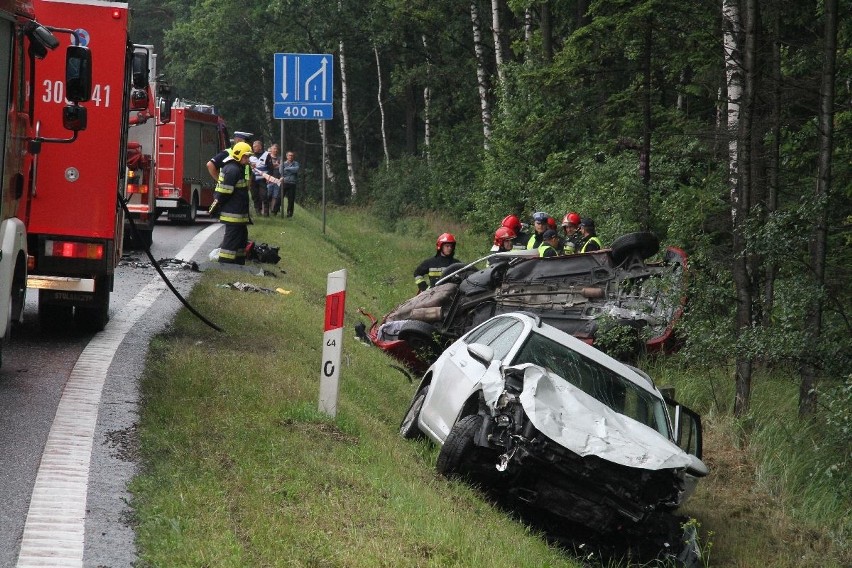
(571, 219)
(502, 234)
(540, 217)
(444, 239)
(239, 150)
(512, 222)
(551, 223)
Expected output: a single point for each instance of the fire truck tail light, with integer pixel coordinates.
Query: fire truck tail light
(70, 249)
(135, 188)
(168, 192)
(30, 263)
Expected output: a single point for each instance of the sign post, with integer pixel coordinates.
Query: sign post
(303, 88)
(332, 342)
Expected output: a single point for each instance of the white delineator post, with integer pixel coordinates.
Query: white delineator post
(332, 342)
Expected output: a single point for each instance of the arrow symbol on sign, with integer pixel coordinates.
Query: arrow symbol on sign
(320, 72)
(284, 93)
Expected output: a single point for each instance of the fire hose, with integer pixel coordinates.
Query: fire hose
(138, 238)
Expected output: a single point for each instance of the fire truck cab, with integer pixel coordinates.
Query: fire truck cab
(72, 211)
(25, 43)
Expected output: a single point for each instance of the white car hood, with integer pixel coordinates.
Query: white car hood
(586, 426)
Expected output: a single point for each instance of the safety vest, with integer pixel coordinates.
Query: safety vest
(590, 239)
(542, 250)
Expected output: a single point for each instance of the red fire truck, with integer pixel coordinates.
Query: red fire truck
(73, 217)
(142, 149)
(25, 43)
(195, 135)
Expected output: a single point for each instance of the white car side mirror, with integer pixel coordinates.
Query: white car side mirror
(481, 353)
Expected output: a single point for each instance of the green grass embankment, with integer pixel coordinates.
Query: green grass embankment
(240, 469)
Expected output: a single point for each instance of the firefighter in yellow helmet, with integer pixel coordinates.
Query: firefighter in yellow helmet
(232, 203)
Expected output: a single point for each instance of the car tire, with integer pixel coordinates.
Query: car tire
(408, 429)
(458, 447)
(645, 245)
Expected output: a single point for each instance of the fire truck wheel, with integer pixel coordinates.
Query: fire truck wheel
(193, 210)
(95, 317)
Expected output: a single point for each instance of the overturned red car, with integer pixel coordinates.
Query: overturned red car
(616, 299)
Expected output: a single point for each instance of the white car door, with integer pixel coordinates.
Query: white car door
(459, 374)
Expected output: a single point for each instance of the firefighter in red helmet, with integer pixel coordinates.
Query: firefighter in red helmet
(514, 224)
(504, 240)
(573, 235)
(430, 270)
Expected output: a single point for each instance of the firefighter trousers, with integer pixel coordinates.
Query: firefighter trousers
(233, 247)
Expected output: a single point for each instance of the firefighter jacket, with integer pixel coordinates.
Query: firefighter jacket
(232, 193)
(430, 270)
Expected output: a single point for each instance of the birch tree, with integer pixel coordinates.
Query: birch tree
(481, 75)
(427, 103)
(498, 40)
(380, 97)
(344, 110)
(736, 71)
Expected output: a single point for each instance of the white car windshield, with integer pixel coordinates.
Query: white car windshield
(617, 392)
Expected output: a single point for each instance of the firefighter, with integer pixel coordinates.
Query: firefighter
(504, 240)
(430, 270)
(550, 244)
(590, 241)
(512, 222)
(573, 236)
(232, 202)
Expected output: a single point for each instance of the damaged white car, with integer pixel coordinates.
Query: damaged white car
(549, 422)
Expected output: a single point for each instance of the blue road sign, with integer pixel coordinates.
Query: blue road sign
(304, 86)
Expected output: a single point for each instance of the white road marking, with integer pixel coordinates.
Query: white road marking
(54, 531)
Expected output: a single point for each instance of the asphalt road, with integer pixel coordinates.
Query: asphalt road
(37, 378)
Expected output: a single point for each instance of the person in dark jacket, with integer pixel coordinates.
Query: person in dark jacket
(231, 200)
(550, 244)
(590, 241)
(431, 270)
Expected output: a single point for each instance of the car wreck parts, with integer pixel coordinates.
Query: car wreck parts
(585, 295)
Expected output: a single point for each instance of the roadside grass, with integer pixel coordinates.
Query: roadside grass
(770, 498)
(240, 468)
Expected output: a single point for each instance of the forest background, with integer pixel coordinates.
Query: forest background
(723, 127)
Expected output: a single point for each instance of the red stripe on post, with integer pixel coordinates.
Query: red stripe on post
(334, 310)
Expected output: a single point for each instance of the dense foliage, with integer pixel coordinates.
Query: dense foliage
(613, 108)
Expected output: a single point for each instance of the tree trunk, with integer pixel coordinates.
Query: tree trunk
(774, 165)
(498, 40)
(326, 167)
(381, 106)
(738, 147)
(481, 76)
(546, 32)
(645, 154)
(347, 129)
(819, 236)
(427, 101)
